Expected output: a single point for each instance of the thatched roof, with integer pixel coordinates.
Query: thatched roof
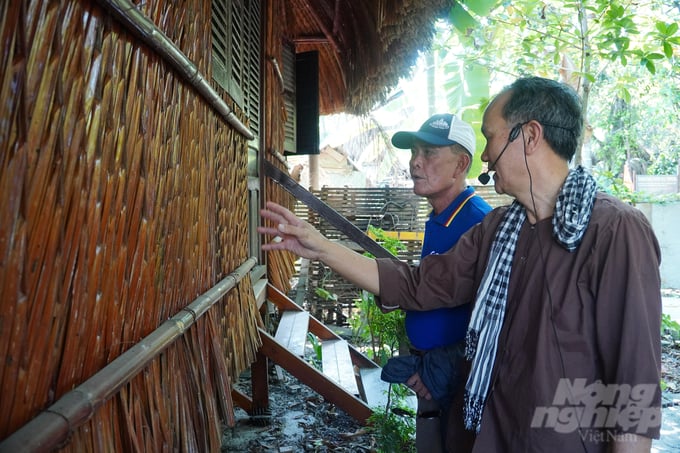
(364, 46)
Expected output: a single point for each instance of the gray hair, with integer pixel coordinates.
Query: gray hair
(555, 105)
(460, 149)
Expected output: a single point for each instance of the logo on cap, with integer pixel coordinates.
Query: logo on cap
(439, 124)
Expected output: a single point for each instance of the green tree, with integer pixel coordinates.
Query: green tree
(619, 56)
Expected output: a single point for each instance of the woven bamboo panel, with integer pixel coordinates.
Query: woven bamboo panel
(123, 198)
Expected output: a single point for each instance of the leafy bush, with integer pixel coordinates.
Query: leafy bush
(670, 328)
(393, 426)
(383, 332)
(393, 431)
(613, 185)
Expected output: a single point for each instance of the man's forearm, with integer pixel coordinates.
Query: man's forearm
(360, 270)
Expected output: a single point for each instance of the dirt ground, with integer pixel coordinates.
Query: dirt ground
(301, 421)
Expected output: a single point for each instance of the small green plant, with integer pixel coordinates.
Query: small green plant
(670, 328)
(325, 294)
(384, 332)
(317, 359)
(392, 245)
(393, 426)
(393, 430)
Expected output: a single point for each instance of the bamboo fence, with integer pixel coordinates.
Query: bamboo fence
(123, 197)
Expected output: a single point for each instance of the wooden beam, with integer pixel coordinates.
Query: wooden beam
(311, 39)
(242, 400)
(309, 6)
(259, 379)
(324, 210)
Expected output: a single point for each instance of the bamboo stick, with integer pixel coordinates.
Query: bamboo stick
(146, 30)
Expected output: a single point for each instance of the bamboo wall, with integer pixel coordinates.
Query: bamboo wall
(122, 199)
(280, 266)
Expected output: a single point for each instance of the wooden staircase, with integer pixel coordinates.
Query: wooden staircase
(349, 379)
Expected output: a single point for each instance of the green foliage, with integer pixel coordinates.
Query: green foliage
(393, 426)
(665, 164)
(670, 328)
(325, 294)
(613, 185)
(391, 244)
(610, 51)
(393, 431)
(637, 122)
(384, 332)
(316, 360)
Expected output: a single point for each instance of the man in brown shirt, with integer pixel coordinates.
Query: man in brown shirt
(564, 342)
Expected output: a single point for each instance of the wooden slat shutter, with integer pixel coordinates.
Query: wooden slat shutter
(236, 30)
(288, 70)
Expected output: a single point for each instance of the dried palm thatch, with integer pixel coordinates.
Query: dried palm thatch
(122, 198)
(364, 46)
(281, 266)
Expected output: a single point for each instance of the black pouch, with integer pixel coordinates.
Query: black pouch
(440, 369)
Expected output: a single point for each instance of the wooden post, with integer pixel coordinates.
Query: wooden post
(259, 372)
(314, 171)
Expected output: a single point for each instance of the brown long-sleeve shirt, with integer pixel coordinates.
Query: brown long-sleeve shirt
(597, 358)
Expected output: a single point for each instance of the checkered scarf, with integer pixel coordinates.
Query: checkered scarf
(570, 220)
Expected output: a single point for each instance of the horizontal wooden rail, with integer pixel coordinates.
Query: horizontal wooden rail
(53, 426)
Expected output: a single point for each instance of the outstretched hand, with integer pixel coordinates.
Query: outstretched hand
(291, 233)
(295, 235)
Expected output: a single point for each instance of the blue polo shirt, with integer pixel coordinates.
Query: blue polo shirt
(444, 326)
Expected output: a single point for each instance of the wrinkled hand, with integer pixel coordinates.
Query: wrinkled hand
(416, 384)
(291, 233)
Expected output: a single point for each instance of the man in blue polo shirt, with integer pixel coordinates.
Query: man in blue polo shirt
(441, 154)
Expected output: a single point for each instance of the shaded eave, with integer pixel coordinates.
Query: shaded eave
(364, 46)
